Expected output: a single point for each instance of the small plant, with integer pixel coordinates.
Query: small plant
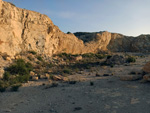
(50, 65)
(68, 32)
(91, 83)
(100, 56)
(67, 71)
(109, 56)
(6, 76)
(18, 72)
(2, 89)
(3, 86)
(32, 52)
(30, 58)
(15, 87)
(131, 59)
(89, 55)
(39, 58)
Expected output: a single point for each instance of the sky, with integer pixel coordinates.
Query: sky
(128, 17)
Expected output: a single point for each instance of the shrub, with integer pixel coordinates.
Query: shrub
(131, 59)
(30, 58)
(68, 32)
(50, 65)
(39, 58)
(89, 55)
(109, 56)
(19, 70)
(15, 87)
(6, 76)
(3, 86)
(100, 56)
(67, 71)
(32, 52)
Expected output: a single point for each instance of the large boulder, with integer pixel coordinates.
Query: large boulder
(115, 59)
(146, 67)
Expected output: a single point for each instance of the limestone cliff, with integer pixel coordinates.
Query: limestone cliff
(115, 42)
(23, 30)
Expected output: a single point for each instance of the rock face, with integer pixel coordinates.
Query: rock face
(116, 42)
(23, 30)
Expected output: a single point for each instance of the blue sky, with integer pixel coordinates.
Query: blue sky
(128, 17)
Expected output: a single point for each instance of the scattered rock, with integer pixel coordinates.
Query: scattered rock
(130, 77)
(77, 108)
(146, 68)
(32, 73)
(78, 58)
(72, 82)
(116, 59)
(34, 78)
(91, 83)
(146, 77)
(43, 77)
(57, 78)
(106, 75)
(98, 74)
(53, 84)
(47, 76)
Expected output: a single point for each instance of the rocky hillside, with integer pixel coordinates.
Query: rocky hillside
(24, 30)
(116, 42)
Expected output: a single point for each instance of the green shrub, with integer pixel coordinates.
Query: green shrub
(67, 71)
(15, 87)
(89, 55)
(131, 59)
(18, 72)
(3, 86)
(18, 68)
(39, 58)
(2, 89)
(50, 65)
(32, 52)
(100, 56)
(109, 56)
(6, 76)
(30, 58)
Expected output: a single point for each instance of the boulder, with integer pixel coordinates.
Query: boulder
(34, 78)
(146, 67)
(78, 58)
(116, 59)
(32, 73)
(146, 77)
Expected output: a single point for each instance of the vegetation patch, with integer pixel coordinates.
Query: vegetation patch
(131, 59)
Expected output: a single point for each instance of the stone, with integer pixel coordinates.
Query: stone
(116, 59)
(32, 73)
(78, 58)
(47, 76)
(57, 78)
(34, 78)
(43, 77)
(146, 77)
(146, 67)
(131, 77)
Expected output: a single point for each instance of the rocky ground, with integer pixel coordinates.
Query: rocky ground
(104, 93)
